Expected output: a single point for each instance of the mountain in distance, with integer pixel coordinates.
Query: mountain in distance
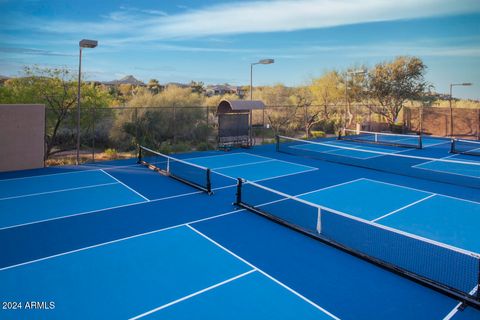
(126, 80)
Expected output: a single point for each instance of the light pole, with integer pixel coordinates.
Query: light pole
(84, 43)
(351, 73)
(450, 102)
(263, 61)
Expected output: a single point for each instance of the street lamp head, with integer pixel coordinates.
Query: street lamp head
(266, 61)
(466, 84)
(85, 43)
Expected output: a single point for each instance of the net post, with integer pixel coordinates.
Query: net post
(339, 135)
(139, 154)
(420, 141)
(277, 143)
(452, 146)
(238, 198)
(209, 182)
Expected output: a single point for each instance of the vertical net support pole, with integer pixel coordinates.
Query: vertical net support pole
(209, 181)
(420, 141)
(238, 198)
(452, 146)
(477, 294)
(277, 143)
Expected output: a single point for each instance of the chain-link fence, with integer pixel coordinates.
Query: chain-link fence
(456, 122)
(113, 133)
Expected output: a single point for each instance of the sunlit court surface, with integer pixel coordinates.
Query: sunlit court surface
(119, 240)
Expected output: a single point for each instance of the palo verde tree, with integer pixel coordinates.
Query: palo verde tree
(392, 84)
(57, 89)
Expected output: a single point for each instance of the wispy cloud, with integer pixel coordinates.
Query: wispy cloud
(36, 52)
(256, 17)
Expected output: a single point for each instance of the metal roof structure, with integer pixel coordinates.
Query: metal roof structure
(239, 106)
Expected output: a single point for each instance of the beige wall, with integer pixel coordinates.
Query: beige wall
(22, 134)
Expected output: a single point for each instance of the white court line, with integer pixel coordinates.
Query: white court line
(436, 160)
(368, 222)
(129, 188)
(114, 207)
(60, 190)
(123, 239)
(424, 191)
(444, 171)
(226, 155)
(337, 147)
(103, 209)
(404, 207)
(48, 175)
(193, 294)
(286, 175)
(243, 164)
(264, 273)
(329, 187)
(73, 171)
(427, 145)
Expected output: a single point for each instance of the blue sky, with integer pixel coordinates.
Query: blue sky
(215, 41)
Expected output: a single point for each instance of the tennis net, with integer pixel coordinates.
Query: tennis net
(469, 147)
(186, 172)
(448, 269)
(383, 138)
(425, 166)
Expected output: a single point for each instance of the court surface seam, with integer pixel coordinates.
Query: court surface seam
(194, 294)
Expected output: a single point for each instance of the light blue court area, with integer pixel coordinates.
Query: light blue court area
(449, 220)
(253, 296)
(53, 182)
(250, 167)
(366, 199)
(227, 160)
(149, 273)
(468, 166)
(429, 142)
(264, 170)
(63, 197)
(338, 148)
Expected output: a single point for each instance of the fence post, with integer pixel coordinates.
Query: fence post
(208, 128)
(135, 118)
(93, 132)
(174, 124)
(478, 127)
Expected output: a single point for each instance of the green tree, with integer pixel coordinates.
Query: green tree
(328, 93)
(57, 89)
(154, 86)
(281, 110)
(173, 116)
(392, 84)
(197, 87)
